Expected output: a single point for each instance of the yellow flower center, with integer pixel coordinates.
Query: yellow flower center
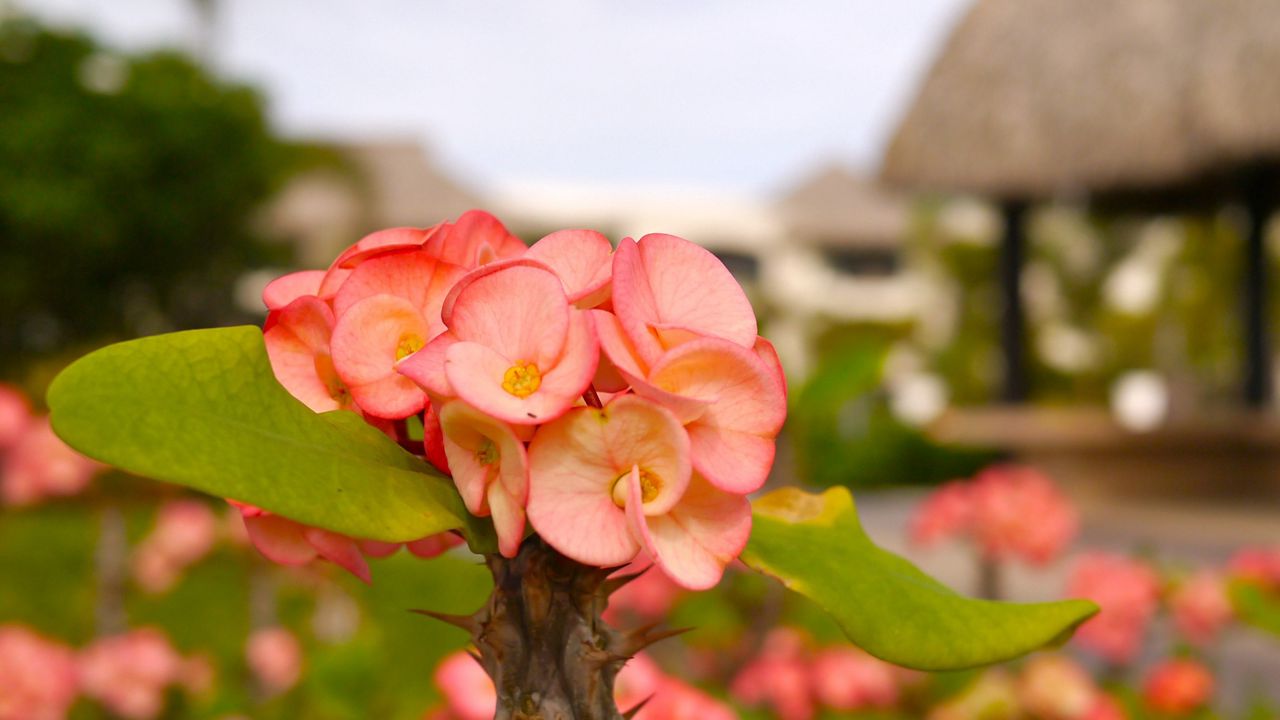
(650, 486)
(332, 383)
(409, 344)
(522, 379)
(487, 453)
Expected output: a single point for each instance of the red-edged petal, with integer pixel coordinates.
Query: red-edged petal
(298, 348)
(339, 550)
(508, 519)
(279, 539)
(482, 451)
(519, 311)
(415, 276)
(426, 367)
(382, 242)
(694, 542)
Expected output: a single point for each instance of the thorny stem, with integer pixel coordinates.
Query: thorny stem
(540, 636)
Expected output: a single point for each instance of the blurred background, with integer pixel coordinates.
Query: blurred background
(1017, 256)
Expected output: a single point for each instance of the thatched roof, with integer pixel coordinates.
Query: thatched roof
(1037, 97)
(835, 206)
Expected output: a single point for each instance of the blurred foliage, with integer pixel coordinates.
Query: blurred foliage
(1104, 294)
(127, 192)
(844, 433)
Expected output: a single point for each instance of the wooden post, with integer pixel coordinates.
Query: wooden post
(1013, 323)
(1258, 196)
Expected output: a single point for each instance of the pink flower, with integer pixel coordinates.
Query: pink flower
(282, 291)
(946, 513)
(1178, 687)
(184, 533)
(434, 545)
(778, 677)
(992, 696)
(606, 483)
(37, 676)
(39, 466)
(1260, 565)
(287, 542)
(1053, 687)
(1017, 511)
(275, 657)
(477, 238)
(15, 415)
(467, 689)
(1201, 607)
(1127, 593)
(129, 673)
(664, 697)
(650, 596)
(298, 348)
(1105, 707)
(582, 259)
(490, 469)
(846, 678)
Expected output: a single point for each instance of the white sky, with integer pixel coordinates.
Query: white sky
(739, 95)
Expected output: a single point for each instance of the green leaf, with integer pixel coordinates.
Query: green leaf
(816, 546)
(203, 409)
(1255, 606)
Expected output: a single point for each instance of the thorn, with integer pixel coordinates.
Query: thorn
(476, 656)
(634, 641)
(613, 585)
(665, 634)
(637, 708)
(466, 622)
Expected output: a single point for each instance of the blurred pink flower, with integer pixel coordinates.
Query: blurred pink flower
(945, 513)
(468, 691)
(15, 415)
(1127, 592)
(1201, 607)
(1178, 687)
(129, 673)
(1018, 511)
(275, 657)
(778, 677)
(39, 465)
(648, 597)
(846, 678)
(668, 698)
(1259, 565)
(1105, 707)
(37, 676)
(1053, 687)
(184, 533)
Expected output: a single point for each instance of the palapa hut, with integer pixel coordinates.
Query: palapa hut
(1167, 104)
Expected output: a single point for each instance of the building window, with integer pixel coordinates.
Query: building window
(744, 266)
(866, 261)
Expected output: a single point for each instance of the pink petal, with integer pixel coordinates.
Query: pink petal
(298, 348)
(381, 242)
(477, 238)
(339, 550)
(519, 311)
(467, 434)
(640, 433)
(374, 548)
(365, 344)
(433, 439)
(667, 281)
(695, 541)
(451, 299)
(426, 367)
(570, 491)
(433, 545)
(287, 288)
(746, 408)
(508, 519)
(618, 348)
(769, 354)
(415, 276)
(583, 261)
(279, 539)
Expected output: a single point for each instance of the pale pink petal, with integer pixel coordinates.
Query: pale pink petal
(415, 276)
(287, 288)
(616, 346)
(298, 348)
(339, 550)
(700, 536)
(733, 438)
(769, 354)
(15, 415)
(482, 451)
(451, 299)
(520, 312)
(377, 549)
(433, 439)
(426, 367)
(466, 687)
(508, 519)
(279, 539)
(368, 342)
(570, 491)
(583, 261)
(433, 545)
(332, 281)
(641, 434)
(667, 281)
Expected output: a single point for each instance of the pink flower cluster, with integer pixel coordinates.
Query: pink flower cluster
(1257, 565)
(1007, 510)
(34, 463)
(469, 693)
(1127, 593)
(1178, 687)
(275, 657)
(616, 401)
(1053, 687)
(185, 531)
(127, 674)
(795, 681)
